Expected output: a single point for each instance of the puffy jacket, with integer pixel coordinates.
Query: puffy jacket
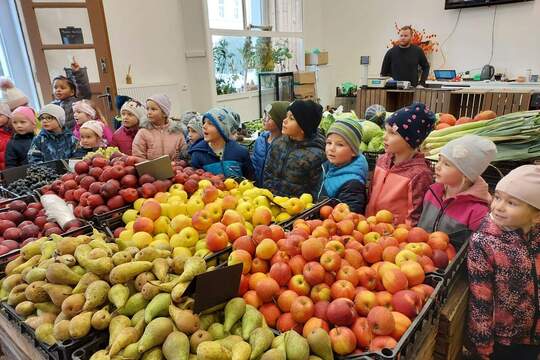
(346, 183)
(400, 188)
(17, 150)
(234, 163)
(48, 146)
(107, 133)
(81, 152)
(123, 139)
(5, 135)
(258, 158)
(153, 141)
(83, 92)
(504, 273)
(294, 167)
(460, 215)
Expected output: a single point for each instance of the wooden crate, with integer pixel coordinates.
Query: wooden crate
(507, 101)
(466, 102)
(367, 97)
(452, 320)
(438, 100)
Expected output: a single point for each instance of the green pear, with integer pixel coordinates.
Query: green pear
(86, 280)
(80, 325)
(155, 333)
(58, 273)
(73, 305)
(36, 293)
(237, 328)
(176, 346)
(212, 350)
(143, 278)
(118, 295)
(314, 357)
(320, 345)
(124, 272)
(198, 337)
(130, 352)
(31, 249)
(117, 324)
(139, 315)
(296, 346)
(16, 295)
(100, 355)
(25, 308)
(61, 330)
(128, 335)
(68, 260)
(78, 269)
(251, 320)
(260, 341)
(178, 291)
(274, 354)
(35, 321)
(44, 333)
(153, 354)
(57, 293)
(241, 351)
(48, 307)
(11, 281)
(67, 246)
(96, 294)
(151, 253)
(158, 306)
(135, 303)
(35, 274)
(206, 320)
(121, 257)
(33, 261)
(101, 319)
(230, 340)
(279, 342)
(217, 331)
(234, 310)
(185, 320)
(149, 291)
(193, 267)
(47, 249)
(160, 268)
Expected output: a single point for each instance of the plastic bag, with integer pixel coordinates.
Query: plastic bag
(57, 209)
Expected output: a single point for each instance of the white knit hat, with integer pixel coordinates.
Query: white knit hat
(523, 183)
(12, 95)
(471, 154)
(95, 126)
(55, 111)
(4, 109)
(136, 108)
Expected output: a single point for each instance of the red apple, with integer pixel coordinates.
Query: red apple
(343, 340)
(341, 312)
(302, 309)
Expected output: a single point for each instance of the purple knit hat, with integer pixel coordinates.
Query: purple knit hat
(413, 123)
(163, 102)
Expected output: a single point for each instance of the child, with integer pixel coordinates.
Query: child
(54, 141)
(13, 96)
(185, 118)
(85, 110)
(5, 132)
(91, 138)
(459, 200)
(294, 162)
(133, 114)
(219, 154)
(402, 177)
(159, 136)
(68, 91)
(504, 271)
(24, 125)
(274, 114)
(195, 130)
(345, 173)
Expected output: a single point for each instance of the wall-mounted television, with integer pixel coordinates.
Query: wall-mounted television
(457, 4)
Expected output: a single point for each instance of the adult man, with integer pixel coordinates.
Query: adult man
(403, 60)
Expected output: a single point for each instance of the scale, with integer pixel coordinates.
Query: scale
(377, 82)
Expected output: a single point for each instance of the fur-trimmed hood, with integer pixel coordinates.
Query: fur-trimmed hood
(173, 126)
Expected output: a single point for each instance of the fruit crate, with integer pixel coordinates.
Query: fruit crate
(6, 194)
(309, 214)
(86, 351)
(29, 198)
(101, 219)
(371, 158)
(410, 344)
(451, 272)
(11, 175)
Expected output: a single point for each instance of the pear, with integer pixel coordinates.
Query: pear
(78, 270)
(100, 355)
(237, 329)
(139, 315)
(158, 306)
(118, 295)
(44, 333)
(155, 333)
(135, 303)
(11, 281)
(234, 310)
(320, 345)
(117, 324)
(151, 253)
(25, 308)
(185, 320)
(80, 325)
(178, 291)
(124, 272)
(73, 305)
(33, 261)
(96, 294)
(86, 280)
(101, 319)
(274, 354)
(97, 253)
(260, 341)
(217, 331)
(143, 278)
(160, 268)
(128, 335)
(47, 249)
(177, 264)
(121, 257)
(314, 357)
(35, 321)
(230, 340)
(48, 307)
(13, 264)
(212, 350)
(57, 293)
(35, 274)
(58, 273)
(198, 337)
(61, 330)
(251, 320)
(67, 246)
(153, 354)
(176, 346)
(68, 260)
(130, 352)
(149, 291)
(16, 295)
(36, 293)
(31, 249)
(296, 346)
(241, 351)
(101, 266)
(279, 342)
(193, 267)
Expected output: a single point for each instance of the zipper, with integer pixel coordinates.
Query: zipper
(535, 278)
(440, 215)
(322, 182)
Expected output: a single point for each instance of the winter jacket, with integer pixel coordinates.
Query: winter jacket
(294, 167)
(5, 136)
(153, 141)
(107, 132)
(48, 146)
(123, 139)
(234, 163)
(400, 188)
(258, 158)
(83, 92)
(17, 150)
(346, 183)
(81, 152)
(458, 216)
(504, 273)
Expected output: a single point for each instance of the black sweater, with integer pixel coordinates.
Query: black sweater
(403, 63)
(17, 150)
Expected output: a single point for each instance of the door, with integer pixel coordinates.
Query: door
(62, 31)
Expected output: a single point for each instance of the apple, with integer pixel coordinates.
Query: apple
(201, 220)
(312, 249)
(417, 235)
(381, 321)
(363, 333)
(372, 237)
(266, 289)
(266, 248)
(341, 312)
(235, 231)
(348, 273)
(394, 280)
(340, 212)
(313, 273)
(405, 255)
(251, 298)
(240, 256)
(320, 309)
(302, 309)
(342, 289)
(299, 285)
(413, 271)
(297, 264)
(271, 314)
(440, 258)
(261, 232)
(330, 260)
(280, 256)
(285, 323)
(150, 209)
(81, 167)
(335, 245)
(364, 301)
(285, 300)
(321, 292)
(259, 265)
(277, 232)
(313, 324)
(321, 231)
(345, 227)
(372, 252)
(281, 272)
(354, 257)
(331, 226)
(367, 277)
(402, 323)
(244, 243)
(210, 194)
(379, 343)
(407, 302)
(325, 211)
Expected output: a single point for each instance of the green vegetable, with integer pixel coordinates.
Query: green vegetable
(370, 130)
(376, 144)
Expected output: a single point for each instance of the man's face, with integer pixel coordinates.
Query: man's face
(405, 37)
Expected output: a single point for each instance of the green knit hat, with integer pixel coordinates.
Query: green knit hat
(350, 130)
(278, 112)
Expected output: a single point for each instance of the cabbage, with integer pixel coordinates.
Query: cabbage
(326, 122)
(346, 115)
(376, 144)
(369, 131)
(363, 147)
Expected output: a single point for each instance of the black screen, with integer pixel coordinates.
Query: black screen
(456, 4)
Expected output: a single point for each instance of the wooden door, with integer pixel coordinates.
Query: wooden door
(53, 52)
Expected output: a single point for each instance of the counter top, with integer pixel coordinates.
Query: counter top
(499, 85)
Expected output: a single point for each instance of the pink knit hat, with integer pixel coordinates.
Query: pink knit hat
(85, 107)
(95, 126)
(5, 110)
(163, 102)
(523, 183)
(27, 112)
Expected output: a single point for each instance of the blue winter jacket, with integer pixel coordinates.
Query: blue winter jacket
(258, 158)
(234, 164)
(48, 146)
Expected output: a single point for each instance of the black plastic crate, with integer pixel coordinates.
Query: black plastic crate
(86, 351)
(221, 256)
(10, 175)
(6, 194)
(28, 198)
(371, 158)
(450, 273)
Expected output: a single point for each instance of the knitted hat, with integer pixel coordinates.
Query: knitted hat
(84, 107)
(27, 112)
(55, 111)
(95, 126)
(135, 108)
(222, 119)
(163, 102)
(278, 112)
(413, 123)
(471, 154)
(523, 183)
(237, 122)
(5, 110)
(186, 117)
(196, 124)
(350, 130)
(12, 95)
(308, 114)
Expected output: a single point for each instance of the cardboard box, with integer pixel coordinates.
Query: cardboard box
(304, 91)
(316, 59)
(304, 77)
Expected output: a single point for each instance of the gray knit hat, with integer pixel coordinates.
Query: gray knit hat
(350, 130)
(196, 123)
(55, 111)
(135, 108)
(471, 154)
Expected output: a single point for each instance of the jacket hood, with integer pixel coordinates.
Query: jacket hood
(173, 126)
(479, 191)
(355, 167)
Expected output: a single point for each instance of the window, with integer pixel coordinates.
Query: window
(267, 38)
(221, 8)
(4, 71)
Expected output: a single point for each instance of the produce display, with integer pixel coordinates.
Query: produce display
(252, 127)
(107, 152)
(36, 177)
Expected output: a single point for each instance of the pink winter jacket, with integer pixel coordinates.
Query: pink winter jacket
(152, 141)
(123, 139)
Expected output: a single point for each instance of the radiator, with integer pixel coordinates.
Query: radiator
(141, 92)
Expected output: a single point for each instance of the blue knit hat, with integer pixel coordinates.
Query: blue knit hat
(222, 119)
(413, 123)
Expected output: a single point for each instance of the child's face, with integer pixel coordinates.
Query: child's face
(338, 152)
(128, 119)
(393, 142)
(193, 135)
(210, 132)
(62, 90)
(50, 123)
(89, 139)
(507, 211)
(3, 120)
(291, 127)
(154, 112)
(81, 117)
(21, 125)
(269, 124)
(446, 173)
